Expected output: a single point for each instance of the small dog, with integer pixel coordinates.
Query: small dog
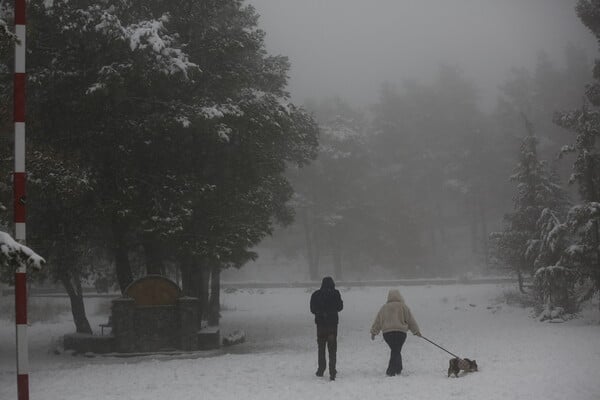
(461, 364)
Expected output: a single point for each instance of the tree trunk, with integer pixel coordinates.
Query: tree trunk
(430, 214)
(214, 307)
(124, 275)
(73, 288)
(520, 280)
(187, 282)
(195, 277)
(597, 246)
(154, 257)
(204, 283)
(195, 285)
(336, 252)
(316, 259)
(440, 220)
(484, 232)
(121, 254)
(199, 277)
(312, 247)
(432, 239)
(473, 217)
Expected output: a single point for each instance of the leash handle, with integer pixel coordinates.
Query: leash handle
(437, 345)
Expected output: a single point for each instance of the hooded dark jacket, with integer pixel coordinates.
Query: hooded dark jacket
(325, 303)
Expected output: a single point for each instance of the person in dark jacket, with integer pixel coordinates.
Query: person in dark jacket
(325, 303)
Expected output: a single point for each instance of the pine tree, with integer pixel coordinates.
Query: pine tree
(330, 193)
(537, 192)
(179, 118)
(63, 226)
(584, 218)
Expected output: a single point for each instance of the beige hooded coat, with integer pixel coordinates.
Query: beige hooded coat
(394, 316)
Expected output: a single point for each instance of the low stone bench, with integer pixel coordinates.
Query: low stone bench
(107, 324)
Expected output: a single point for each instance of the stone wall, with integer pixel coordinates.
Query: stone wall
(155, 328)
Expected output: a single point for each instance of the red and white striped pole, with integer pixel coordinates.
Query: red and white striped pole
(19, 201)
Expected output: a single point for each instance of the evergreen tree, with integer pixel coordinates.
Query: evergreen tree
(555, 281)
(429, 140)
(64, 227)
(537, 190)
(395, 142)
(330, 194)
(538, 94)
(180, 120)
(584, 218)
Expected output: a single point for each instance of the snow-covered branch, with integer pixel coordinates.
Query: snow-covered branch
(13, 252)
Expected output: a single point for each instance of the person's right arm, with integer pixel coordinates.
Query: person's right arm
(376, 327)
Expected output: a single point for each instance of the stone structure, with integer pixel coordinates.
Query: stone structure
(152, 316)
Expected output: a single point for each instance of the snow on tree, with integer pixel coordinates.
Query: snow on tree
(556, 283)
(583, 220)
(555, 288)
(548, 248)
(583, 252)
(180, 121)
(538, 202)
(15, 255)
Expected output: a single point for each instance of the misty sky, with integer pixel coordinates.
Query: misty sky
(349, 47)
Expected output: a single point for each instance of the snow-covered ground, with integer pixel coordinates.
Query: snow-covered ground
(518, 357)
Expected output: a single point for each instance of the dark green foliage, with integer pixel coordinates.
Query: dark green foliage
(555, 290)
(159, 128)
(580, 262)
(330, 195)
(435, 162)
(523, 244)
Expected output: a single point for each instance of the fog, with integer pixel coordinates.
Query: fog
(349, 47)
(442, 142)
(188, 189)
(413, 117)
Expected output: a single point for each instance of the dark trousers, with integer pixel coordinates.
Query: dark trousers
(327, 337)
(395, 340)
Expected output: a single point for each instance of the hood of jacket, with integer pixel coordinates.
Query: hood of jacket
(394, 295)
(327, 283)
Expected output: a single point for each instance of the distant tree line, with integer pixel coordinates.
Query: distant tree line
(412, 183)
(417, 183)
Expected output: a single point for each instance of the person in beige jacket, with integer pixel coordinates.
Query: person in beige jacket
(394, 319)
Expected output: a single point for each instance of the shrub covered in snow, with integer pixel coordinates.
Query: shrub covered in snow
(555, 289)
(235, 337)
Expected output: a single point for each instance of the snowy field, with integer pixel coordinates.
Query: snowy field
(518, 357)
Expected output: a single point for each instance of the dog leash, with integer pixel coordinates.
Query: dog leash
(437, 345)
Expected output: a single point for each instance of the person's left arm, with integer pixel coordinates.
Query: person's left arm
(412, 323)
(313, 303)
